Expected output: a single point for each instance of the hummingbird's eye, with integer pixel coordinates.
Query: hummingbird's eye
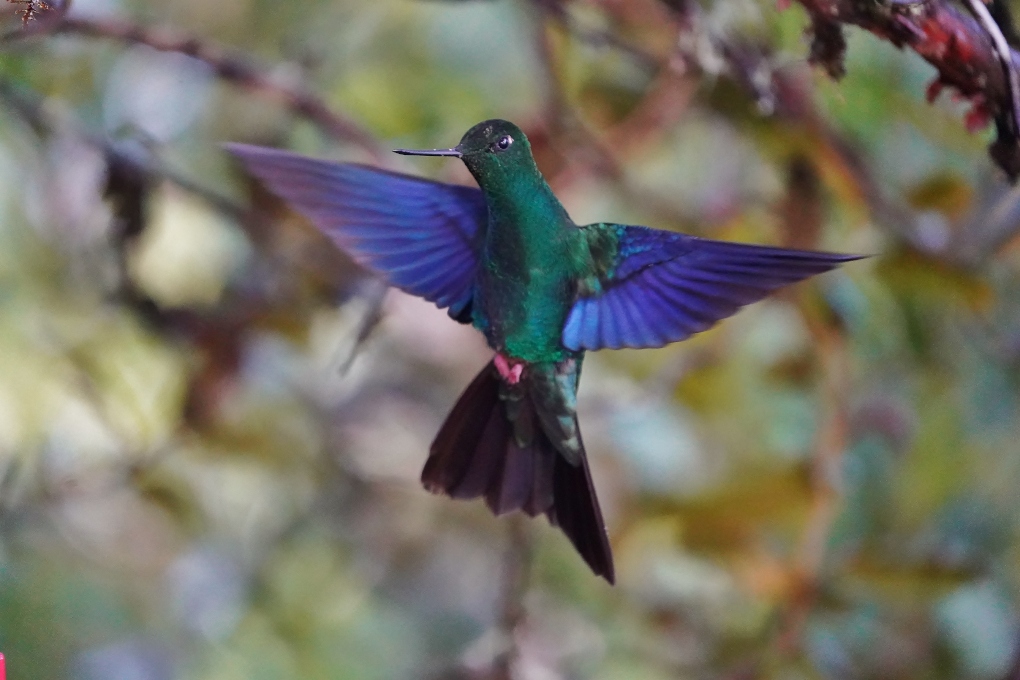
(504, 142)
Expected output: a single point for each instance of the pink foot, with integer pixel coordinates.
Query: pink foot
(509, 372)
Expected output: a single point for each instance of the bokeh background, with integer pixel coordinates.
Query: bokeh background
(212, 423)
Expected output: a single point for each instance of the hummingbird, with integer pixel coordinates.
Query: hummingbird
(506, 258)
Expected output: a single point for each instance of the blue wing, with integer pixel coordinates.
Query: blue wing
(421, 236)
(655, 287)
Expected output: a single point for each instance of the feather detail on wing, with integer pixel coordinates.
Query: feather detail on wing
(656, 287)
(421, 236)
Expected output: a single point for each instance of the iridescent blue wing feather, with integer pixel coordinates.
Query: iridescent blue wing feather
(655, 287)
(421, 236)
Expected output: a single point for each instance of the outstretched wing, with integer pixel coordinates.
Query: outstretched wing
(655, 287)
(420, 235)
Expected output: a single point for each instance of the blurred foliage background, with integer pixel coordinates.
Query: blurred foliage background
(212, 423)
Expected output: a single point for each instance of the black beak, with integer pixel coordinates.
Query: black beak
(429, 152)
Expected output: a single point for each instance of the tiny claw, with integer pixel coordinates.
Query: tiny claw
(509, 372)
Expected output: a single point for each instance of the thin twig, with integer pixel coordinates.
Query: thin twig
(374, 295)
(557, 11)
(516, 573)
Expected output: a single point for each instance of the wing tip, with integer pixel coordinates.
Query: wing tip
(841, 258)
(249, 153)
(242, 150)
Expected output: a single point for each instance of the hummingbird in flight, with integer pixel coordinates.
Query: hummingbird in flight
(506, 258)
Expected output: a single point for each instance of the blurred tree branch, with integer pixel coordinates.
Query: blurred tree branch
(232, 67)
(825, 480)
(557, 12)
(44, 119)
(960, 48)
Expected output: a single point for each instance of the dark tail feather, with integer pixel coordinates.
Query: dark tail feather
(476, 455)
(577, 513)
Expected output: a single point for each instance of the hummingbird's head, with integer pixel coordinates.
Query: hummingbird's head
(491, 150)
(499, 139)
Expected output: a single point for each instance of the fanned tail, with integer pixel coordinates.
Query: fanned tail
(476, 454)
